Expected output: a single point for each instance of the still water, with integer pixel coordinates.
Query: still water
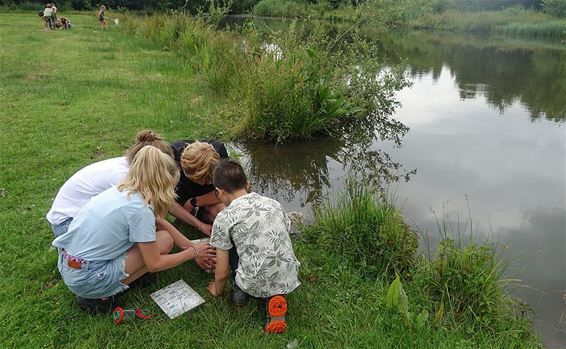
(485, 153)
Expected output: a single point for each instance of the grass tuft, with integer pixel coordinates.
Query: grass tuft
(369, 234)
(283, 86)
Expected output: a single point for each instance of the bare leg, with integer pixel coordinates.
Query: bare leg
(135, 265)
(211, 211)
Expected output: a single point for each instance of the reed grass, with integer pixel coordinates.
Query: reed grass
(461, 286)
(279, 86)
(366, 232)
(512, 21)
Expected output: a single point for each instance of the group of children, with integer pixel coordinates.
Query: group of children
(52, 21)
(110, 226)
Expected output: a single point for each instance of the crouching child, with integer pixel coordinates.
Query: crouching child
(251, 236)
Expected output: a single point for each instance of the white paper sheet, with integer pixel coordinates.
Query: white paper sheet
(177, 299)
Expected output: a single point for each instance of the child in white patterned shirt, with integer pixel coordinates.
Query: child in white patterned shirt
(252, 238)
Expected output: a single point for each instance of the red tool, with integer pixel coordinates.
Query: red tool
(119, 314)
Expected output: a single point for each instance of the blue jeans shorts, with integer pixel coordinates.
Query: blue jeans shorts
(61, 228)
(94, 279)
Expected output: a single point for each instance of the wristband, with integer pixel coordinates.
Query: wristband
(193, 202)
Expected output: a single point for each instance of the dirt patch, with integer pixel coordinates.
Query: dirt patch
(47, 285)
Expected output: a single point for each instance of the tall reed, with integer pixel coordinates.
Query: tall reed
(368, 233)
(281, 86)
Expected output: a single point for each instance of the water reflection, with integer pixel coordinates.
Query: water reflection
(470, 113)
(302, 169)
(502, 71)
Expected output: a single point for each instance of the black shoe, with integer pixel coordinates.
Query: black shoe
(97, 306)
(239, 297)
(143, 281)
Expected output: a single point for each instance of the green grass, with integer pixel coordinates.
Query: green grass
(512, 21)
(71, 98)
(372, 237)
(282, 86)
(387, 14)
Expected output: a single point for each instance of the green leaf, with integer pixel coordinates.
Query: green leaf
(439, 315)
(421, 319)
(392, 297)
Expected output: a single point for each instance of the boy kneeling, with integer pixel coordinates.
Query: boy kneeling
(252, 238)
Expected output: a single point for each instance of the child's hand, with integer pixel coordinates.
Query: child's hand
(206, 264)
(204, 250)
(212, 289)
(206, 229)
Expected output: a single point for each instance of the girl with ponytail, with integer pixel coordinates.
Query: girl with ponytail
(96, 178)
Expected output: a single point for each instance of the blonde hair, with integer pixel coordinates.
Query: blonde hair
(148, 137)
(198, 161)
(154, 175)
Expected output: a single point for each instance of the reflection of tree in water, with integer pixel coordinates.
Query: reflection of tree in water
(301, 169)
(504, 73)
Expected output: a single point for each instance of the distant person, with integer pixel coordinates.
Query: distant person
(195, 190)
(48, 17)
(263, 264)
(54, 14)
(66, 23)
(113, 239)
(102, 17)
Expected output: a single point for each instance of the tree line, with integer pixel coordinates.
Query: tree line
(240, 6)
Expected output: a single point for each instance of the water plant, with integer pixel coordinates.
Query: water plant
(467, 280)
(366, 232)
(282, 86)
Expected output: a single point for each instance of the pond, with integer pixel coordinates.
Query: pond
(485, 153)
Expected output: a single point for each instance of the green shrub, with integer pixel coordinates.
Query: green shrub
(555, 8)
(283, 85)
(282, 8)
(465, 282)
(290, 95)
(370, 234)
(311, 84)
(30, 6)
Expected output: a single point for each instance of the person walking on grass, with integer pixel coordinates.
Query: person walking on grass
(112, 240)
(102, 17)
(251, 236)
(48, 17)
(195, 190)
(54, 14)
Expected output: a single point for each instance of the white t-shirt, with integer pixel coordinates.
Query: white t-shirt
(83, 185)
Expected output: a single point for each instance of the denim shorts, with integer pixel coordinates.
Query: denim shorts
(61, 228)
(95, 279)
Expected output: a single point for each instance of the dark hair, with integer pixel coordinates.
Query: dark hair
(148, 137)
(229, 176)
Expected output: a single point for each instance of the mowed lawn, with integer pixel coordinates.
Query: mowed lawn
(69, 98)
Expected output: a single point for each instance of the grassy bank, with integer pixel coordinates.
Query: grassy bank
(73, 97)
(280, 85)
(513, 21)
(430, 15)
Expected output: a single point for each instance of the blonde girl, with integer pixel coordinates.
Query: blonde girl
(195, 190)
(112, 241)
(96, 178)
